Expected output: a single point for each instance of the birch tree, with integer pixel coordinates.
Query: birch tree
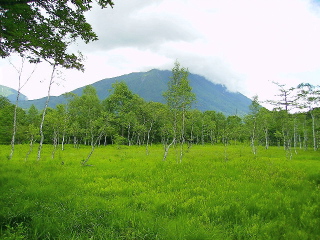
(251, 120)
(309, 99)
(21, 84)
(84, 111)
(179, 98)
(51, 81)
(123, 104)
(265, 119)
(154, 113)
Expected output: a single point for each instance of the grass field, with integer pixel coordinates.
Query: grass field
(215, 193)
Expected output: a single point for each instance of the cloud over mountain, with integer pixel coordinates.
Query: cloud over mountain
(243, 44)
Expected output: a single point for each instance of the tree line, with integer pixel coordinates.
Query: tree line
(124, 118)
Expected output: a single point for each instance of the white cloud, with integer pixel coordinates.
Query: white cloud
(244, 44)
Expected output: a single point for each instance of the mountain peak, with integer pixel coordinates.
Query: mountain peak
(151, 84)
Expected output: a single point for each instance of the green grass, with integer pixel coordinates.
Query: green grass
(215, 193)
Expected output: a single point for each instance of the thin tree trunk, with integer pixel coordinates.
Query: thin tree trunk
(17, 101)
(129, 142)
(62, 141)
(84, 162)
(14, 125)
(64, 132)
(314, 132)
(55, 143)
(44, 112)
(30, 147)
(167, 149)
(92, 137)
(295, 136)
(211, 137)
(105, 140)
(148, 138)
(300, 143)
(254, 149)
(182, 135)
(202, 133)
(75, 141)
(266, 138)
(191, 137)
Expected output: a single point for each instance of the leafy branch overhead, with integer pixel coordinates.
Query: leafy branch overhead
(43, 30)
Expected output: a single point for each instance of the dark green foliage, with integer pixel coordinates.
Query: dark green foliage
(33, 115)
(4, 102)
(6, 122)
(43, 30)
(121, 99)
(124, 115)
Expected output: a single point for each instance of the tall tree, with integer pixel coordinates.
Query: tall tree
(87, 109)
(6, 115)
(153, 112)
(234, 126)
(179, 98)
(264, 119)
(54, 67)
(57, 120)
(251, 120)
(194, 124)
(43, 30)
(21, 84)
(33, 120)
(87, 116)
(221, 124)
(309, 98)
(286, 100)
(209, 127)
(123, 104)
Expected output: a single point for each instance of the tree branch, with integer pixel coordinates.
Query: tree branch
(15, 2)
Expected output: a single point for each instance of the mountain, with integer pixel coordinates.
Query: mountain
(150, 86)
(11, 94)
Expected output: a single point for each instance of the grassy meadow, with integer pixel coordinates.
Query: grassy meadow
(216, 192)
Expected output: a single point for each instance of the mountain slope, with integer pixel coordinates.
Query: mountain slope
(150, 86)
(11, 94)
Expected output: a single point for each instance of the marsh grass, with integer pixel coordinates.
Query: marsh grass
(127, 194)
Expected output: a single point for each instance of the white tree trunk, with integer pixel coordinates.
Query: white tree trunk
(167, 149)
(44, 112)
(19, 71)
(148, 138)
(314, 132)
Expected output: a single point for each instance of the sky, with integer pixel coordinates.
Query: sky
(245, 45)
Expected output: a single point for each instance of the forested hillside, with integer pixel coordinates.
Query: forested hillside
(11, 94)
(150, 86)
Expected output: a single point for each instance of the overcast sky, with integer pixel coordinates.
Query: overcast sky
(243, 44)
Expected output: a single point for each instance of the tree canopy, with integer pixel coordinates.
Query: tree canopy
(43, 30)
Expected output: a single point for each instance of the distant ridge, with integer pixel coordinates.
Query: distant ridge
(150, 86)
(11, 94)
